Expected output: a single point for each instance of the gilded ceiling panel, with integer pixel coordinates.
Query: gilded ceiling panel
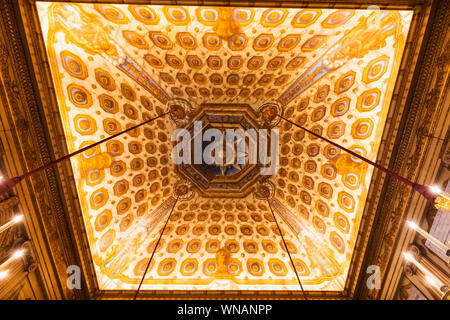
(115, 66)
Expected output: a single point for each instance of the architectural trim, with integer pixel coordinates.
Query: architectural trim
(397, 201)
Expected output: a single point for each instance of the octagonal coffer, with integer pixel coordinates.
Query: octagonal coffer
(233, 178)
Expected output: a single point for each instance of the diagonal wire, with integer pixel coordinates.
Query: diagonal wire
(8, 184)
(154, 250)
(422, 189)
(287, 250)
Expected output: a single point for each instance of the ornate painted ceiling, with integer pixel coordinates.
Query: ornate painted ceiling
(331, 70)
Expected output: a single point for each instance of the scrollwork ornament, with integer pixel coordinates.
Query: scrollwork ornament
(180, 111)
(183, 190)
(268, 114)
(264, 190)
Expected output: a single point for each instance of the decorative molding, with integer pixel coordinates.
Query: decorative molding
(22, 105)
(17, 272)
(8, 203)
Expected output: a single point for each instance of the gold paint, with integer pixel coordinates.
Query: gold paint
(345, 164)
(223, 258)
(101, 161)
(369, 34)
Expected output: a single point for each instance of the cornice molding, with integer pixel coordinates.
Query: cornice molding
(25, 117)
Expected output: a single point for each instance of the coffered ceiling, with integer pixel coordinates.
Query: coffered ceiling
(331, 70)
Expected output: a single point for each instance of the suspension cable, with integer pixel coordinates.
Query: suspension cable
(287, 250)
(154, 250)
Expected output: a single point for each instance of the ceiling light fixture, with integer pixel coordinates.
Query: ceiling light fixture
(408, 256)
(3, 274)
(18, 254)
(441, 246)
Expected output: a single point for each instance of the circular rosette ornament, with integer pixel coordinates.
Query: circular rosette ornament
(264, 190)
(183, 190)
(180, 111)
(268, 114)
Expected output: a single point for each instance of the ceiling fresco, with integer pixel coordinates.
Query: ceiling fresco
(330, 70)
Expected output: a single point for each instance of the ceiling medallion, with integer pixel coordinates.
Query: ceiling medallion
(268, 114)
(264, 190)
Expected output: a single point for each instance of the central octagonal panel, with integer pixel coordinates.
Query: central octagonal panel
(227, 178)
